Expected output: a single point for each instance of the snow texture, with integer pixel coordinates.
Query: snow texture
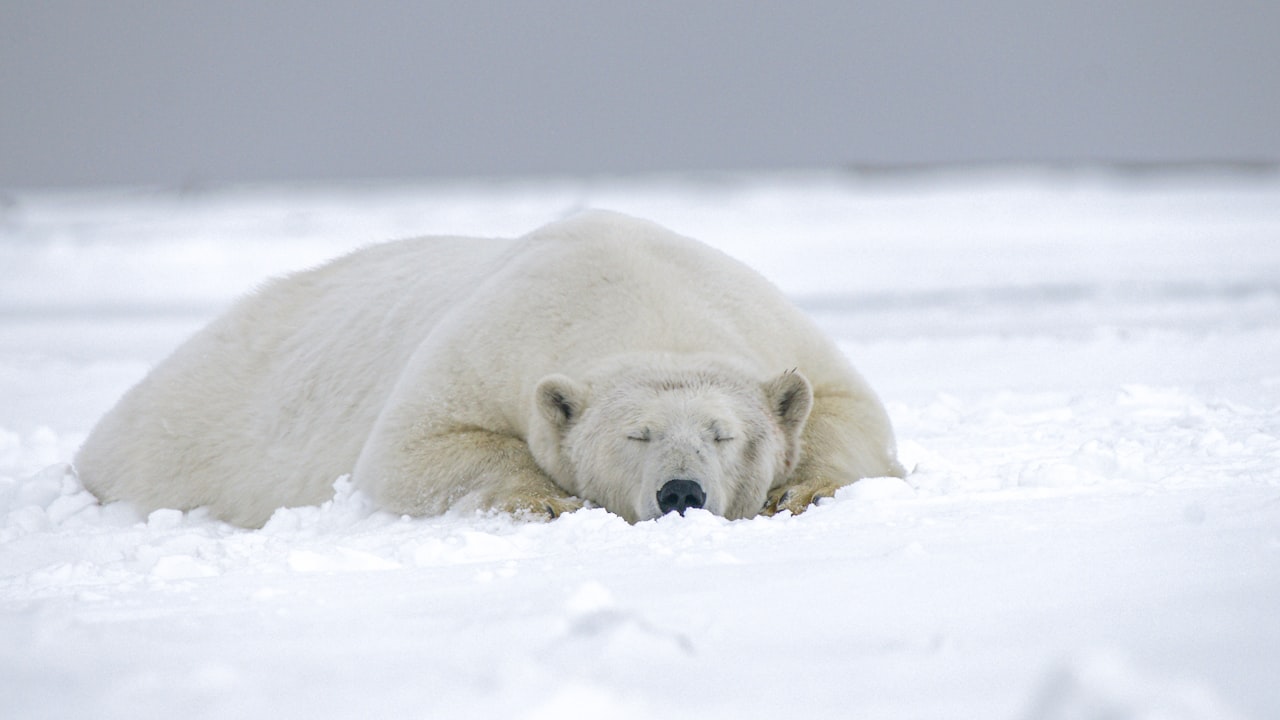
(1081, 368)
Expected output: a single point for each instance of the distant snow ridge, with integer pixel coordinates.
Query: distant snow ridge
(1140, 435)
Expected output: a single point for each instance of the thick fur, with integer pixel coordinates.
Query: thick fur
(591, 360)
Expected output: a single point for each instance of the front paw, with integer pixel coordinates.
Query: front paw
(540, 505)
(798, 498)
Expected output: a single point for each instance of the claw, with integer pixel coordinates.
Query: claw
(797, 499)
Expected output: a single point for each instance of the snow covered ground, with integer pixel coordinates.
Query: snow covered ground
(1082, 367)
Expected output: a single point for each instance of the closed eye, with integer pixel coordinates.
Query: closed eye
(641, 436)
(718, 433)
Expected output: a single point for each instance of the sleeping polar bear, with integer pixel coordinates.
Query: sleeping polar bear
(601, 359)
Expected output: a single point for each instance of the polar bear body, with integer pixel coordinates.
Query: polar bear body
(451, 372)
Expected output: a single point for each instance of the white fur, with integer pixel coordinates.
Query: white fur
(418, 366)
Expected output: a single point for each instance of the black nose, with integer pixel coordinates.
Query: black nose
(680, 495)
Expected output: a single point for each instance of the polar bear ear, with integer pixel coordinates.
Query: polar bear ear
(560, 400)
(790, 397)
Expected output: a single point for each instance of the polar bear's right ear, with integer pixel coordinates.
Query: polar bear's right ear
(560, 400)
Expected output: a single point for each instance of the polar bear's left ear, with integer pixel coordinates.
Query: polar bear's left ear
(560, 400)
(790, 397)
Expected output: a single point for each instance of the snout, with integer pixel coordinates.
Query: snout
(680, 495)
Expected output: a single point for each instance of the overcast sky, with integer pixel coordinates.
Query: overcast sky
(175, 92)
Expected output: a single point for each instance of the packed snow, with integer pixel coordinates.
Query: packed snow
(1082, 370)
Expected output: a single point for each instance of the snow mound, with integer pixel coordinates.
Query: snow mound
(1103, 686)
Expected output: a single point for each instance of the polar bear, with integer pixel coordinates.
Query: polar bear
(600, 359)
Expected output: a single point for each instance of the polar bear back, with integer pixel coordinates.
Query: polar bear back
(601, 285)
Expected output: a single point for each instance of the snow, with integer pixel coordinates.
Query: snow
(1081, 368)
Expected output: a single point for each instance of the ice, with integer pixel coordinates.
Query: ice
(1081, 368)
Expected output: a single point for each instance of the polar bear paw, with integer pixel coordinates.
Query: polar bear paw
(797, 498)
(539, 505)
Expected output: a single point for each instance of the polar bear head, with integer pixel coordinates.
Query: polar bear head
(649, 438)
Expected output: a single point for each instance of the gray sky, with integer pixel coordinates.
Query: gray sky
(174, 92)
